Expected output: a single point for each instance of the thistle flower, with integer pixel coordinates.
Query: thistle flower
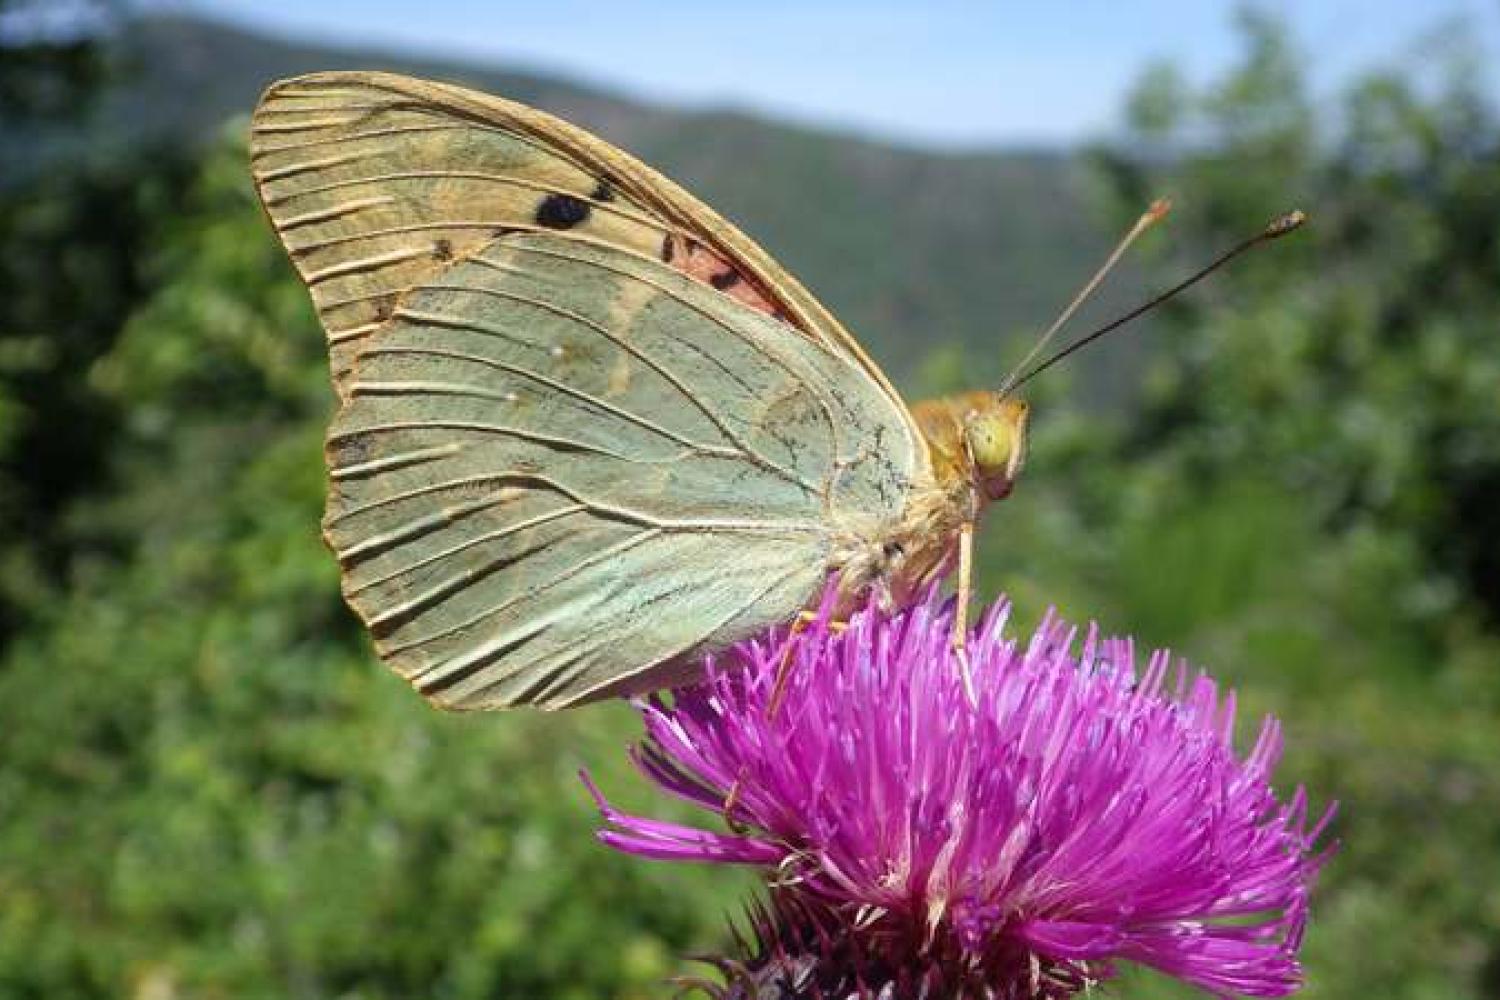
(1076, 812)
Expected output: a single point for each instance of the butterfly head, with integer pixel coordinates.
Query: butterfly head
(995, 439)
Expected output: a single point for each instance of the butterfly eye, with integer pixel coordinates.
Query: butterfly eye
(989, 441)
(995, 437)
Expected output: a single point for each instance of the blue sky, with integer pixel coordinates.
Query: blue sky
(944, 72)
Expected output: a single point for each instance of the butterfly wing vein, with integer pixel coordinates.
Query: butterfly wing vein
(562, 470)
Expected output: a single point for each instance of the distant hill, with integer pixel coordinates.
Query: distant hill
(913, 249)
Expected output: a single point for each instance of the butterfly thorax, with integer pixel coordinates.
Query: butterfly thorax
(977, 444)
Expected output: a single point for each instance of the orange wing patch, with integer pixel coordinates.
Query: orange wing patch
(704, 264)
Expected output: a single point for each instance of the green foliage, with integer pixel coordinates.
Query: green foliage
(70, 267)
(1352, 365)
(1305, 501)
(210, 789)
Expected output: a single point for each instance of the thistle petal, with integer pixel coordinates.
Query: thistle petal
(1082, 810)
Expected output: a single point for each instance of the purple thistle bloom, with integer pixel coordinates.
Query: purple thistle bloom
(1081, 813)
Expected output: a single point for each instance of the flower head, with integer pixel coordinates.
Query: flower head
(1075, 812)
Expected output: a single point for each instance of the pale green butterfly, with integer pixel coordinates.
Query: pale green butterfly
(588, 431)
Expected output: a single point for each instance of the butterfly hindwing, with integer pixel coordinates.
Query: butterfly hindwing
(563, 468)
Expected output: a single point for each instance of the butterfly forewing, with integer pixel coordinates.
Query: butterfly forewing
(562, 468)
(375, 191)
(375, 182)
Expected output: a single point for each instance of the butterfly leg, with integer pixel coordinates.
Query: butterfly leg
(784, 669)
(960, 635)
(778, 695)
(731, 801)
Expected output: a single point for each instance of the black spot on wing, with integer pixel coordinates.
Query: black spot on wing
(561, 211)
(603, 192)
(668, 249)
(725, 280)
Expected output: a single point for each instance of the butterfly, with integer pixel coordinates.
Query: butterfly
(587, 431)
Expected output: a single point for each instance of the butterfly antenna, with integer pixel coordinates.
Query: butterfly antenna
(1158, 210)
(1277, 227)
